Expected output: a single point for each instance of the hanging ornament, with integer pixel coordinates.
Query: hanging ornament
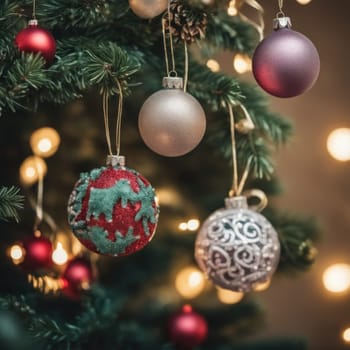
(113, 210)
(236, 247)
(286, 63)
(187, 328)
(77, 277)
(148, 9)
(171, 121)
(34, 39)
(37, 252)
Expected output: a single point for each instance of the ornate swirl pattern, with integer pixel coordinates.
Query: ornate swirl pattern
(237, 249)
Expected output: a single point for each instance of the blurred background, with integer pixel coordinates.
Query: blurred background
(314, 182)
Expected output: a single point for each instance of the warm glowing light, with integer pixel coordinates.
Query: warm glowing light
(32, 169)
(193, 224)
(303, 2)
(45, 142)
(17, 254)
(338, 144)
(190, 282)
(242, 63)
(260, 287)
(59, 255)
(168, 196)
(336, 278)
(346, 335)
(228, 297)
(232, 11)
(183, 226)
(46, 284)
(213, 65)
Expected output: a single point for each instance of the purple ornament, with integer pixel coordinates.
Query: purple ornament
(286, 63)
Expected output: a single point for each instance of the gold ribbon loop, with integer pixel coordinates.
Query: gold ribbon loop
(255, 193)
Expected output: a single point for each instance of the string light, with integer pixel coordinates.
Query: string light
(303, 2)
(213, 65)
(190, 225)
(228, 297)
(59, 255)
(346, 335)
(16, 253)
(232, 8)
(260, 287)
(338, 144)
(190, 282)
(242, 63)
(45, 142)
(32, 169)
(46, 284)
(336, 278)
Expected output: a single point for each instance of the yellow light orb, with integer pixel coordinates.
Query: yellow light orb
(193, 224)
(59, 255)
(190, 282)
(242, 63)
(232, 11)
(16, 253)
(228, 297)
(260, 287)
(32, 169)
(303, 2)
(45, 142)
(213, 65)
(346, 335)
(336, 278)
(183, 226)
(338, 144)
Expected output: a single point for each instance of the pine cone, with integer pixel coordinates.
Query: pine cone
(187, 23)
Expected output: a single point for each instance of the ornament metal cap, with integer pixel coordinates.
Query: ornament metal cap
(173, 83)
(33, 23)
(282, 22)
(239, 202)
(115, 161)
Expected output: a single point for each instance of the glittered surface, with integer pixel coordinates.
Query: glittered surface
(112, 211)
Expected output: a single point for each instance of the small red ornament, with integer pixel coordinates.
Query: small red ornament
(77, 277)
(35, 39)
(187, 328)
(38, 253)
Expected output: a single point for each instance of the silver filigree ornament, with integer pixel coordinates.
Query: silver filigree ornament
(236, 247)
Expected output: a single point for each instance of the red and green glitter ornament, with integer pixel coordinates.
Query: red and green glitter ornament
(113, 210)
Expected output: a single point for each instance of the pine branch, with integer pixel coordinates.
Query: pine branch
(10, 202)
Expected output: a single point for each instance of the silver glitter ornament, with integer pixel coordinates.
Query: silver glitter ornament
(236, 247)
(171, 121)
(148, 8)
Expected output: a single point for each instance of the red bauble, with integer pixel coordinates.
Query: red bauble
(113, 211)
(38, 253)
(286, 63)
(35, 39)
(77, 277)
(187, 328)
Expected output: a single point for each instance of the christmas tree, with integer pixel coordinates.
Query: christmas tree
(109, 59)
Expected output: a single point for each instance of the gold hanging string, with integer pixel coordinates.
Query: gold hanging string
(105, 104)
(39, 198)
(106, 121)
(119, 117)
(260, 25)
(165, 47)
(243, 179)
(255, 193)
(280, 12)
(186, 67)
(234, 187)
(169, 71)
(34, 9)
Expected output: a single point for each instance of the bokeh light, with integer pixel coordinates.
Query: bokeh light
(346, 335)
(32, 169)
(190, 282)
(45, 142)
(59, 255)
(338, 144)
(16, 253)
(336, 278)
(303, 2)
(229, 297)
(242, 63)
